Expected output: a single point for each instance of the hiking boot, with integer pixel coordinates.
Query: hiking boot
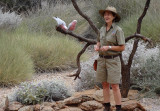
(106, 109)
(118, 110)
(106, 106)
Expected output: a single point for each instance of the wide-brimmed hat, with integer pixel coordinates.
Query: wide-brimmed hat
(111, 9)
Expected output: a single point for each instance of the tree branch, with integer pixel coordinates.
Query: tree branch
(137, 33)
(85, 17)
(76, 36)
(135, 45)
(138, 36)
(142, 16)
(78, 62)
(122, 61)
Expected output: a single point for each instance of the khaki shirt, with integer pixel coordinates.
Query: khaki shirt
(113, 37)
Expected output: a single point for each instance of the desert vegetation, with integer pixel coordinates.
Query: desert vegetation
(29, 43)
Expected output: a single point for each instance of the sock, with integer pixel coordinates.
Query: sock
(118, 106)
(107, 104)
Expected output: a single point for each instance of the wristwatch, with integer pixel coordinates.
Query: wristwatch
(110, 47)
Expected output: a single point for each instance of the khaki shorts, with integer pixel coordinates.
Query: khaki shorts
(108, 70)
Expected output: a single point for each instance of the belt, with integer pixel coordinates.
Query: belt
(108, 57)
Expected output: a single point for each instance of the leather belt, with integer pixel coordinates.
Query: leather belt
(108, 57)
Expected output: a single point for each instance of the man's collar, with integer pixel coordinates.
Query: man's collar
(113, 25)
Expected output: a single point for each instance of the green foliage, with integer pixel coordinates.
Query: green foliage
(42, 22)
(15, 64)
(47, 53)
(36, 42)
(149, 29)
(149, 78)
(157, 90)
(20, 6)
(29, 93)
(9, 3)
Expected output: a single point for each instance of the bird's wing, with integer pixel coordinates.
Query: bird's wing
(59, 21)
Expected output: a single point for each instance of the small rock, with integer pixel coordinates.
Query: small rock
(133, 94)
(133, 97)
(4, 103)
(71, 109)
(77, 100)
(137, 109)
(47, 108)
(60, 104)
(91, 105)
(37, 107)
(98, 95)
(96, 87)
(102, 109)
(73, 100)
(124, 99)
(131, 105)
(14, 106)
(26, 108)
(51, 104)
(86, 98)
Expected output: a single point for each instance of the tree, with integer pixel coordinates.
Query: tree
(125, 67)
(20, 6)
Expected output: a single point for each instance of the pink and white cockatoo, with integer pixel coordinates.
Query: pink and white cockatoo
(72, 25)
(62, 24)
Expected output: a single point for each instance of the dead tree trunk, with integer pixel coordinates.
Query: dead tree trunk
(125, 67)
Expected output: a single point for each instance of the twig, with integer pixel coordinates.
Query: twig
(76, 36)
(138, 36)
(85, 17)
(78, 62)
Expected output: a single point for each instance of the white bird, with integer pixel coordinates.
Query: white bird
(62, 24)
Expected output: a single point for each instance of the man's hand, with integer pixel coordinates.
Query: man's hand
(104, 48)
(96, 48)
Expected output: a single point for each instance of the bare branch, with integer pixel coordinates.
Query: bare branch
(85, 17)
(137, 33)
(122, 61)
(142, 16)
(135, 45)
(138, 36)
(126, 73)
(76, 36)
(78, 62)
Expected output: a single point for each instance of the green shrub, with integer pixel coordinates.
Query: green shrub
(40, 24)
(15, 64)
(149, 29)
(48, 53)
(42, 21)
(149, 77)
(157, 90)
(30, 93)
